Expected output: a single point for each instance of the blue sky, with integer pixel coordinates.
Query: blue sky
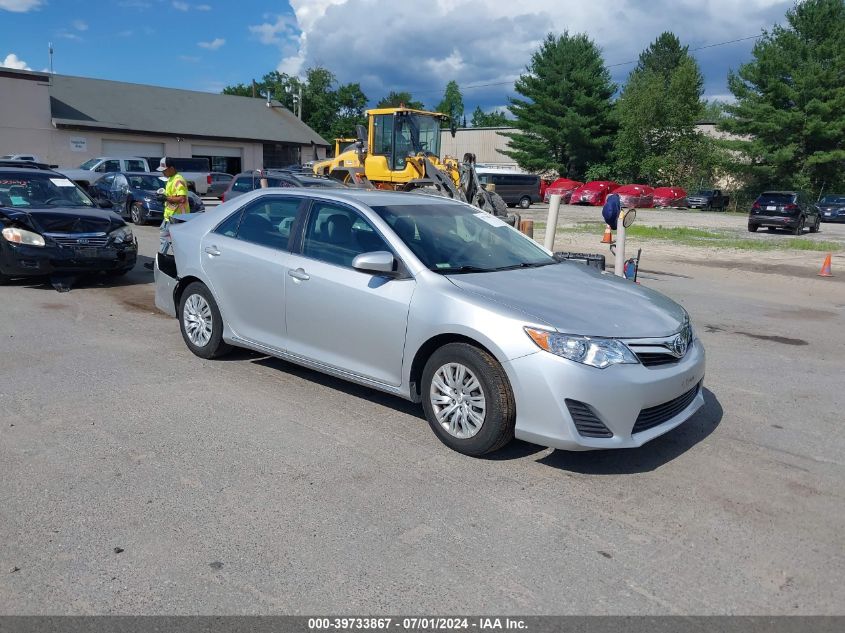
(382, 44)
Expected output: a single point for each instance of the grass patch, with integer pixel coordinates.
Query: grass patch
(711, 239)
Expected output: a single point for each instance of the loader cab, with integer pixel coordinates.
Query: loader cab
(397, 133)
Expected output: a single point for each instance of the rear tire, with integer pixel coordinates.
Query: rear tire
(817, 226)
(524, 202)
(798, 230)
(499, 206)
(201, 323)
(466, 389)
(136, 214)
(753, 228)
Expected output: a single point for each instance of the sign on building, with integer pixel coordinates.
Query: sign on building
(78, 144)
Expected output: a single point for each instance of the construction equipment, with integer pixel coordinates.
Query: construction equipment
(400, 150)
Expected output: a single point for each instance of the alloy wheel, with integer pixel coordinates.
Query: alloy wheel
(197, 319)
(458, 400)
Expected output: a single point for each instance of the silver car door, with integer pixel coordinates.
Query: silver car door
(340, 316)
(246, 259)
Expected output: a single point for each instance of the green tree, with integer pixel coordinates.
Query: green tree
(657, 112)
(351, 110)
(396, 99)
(452, 103)
(790, 101)
(282, 88)
(564, 118)
(489, 119)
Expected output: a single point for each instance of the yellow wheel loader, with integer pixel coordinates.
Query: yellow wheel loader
(400, 150)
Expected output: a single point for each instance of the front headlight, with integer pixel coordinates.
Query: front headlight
(123, 234)
(596, 352)
(22, 236)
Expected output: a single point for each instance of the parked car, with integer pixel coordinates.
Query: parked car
(669, 197)
(50, 225)
(562, 186)
(133, 195)
(784, 210)
(832, 207)
(220, 181)
(32, 158)
(428, 299)
(27, 164)
(251, 180)
(636, 196)
(708, 200)
(92, 170)
(197, 171)
(515, 188)
(593, 193)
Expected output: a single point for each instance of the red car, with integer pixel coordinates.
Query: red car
(563, 186)
(636, 196)
(593, 193)
(670, 197)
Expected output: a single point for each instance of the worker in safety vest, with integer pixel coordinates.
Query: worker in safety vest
(175, 199)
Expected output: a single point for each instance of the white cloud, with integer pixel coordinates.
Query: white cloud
(69, 36)
(20, 6)
(490, 41)
(181, 6)
(13, 61)
(79, 25)
(213, 45)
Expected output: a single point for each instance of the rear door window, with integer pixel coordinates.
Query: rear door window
(269, 222)
(776, 199)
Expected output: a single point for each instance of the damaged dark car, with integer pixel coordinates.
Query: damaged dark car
(49, 226)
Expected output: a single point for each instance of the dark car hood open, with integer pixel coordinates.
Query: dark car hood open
(577, 299)
(65, 220)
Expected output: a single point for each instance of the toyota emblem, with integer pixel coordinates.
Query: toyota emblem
(679, 345)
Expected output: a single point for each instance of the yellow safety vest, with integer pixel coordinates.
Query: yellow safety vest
(176, 186)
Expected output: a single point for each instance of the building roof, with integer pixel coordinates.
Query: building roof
(80, 102)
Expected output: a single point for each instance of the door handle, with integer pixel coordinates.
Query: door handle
(299, 274)
(212, 250)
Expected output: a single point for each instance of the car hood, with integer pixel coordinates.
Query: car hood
(577, 299)
(69, 220)
(832, 207)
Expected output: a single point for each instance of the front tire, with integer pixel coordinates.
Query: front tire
(468, 400)
(524, 202)
(201, 323)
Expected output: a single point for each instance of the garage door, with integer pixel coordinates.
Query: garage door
(216, 150)
(132, 148)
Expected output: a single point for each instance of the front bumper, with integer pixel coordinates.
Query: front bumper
(17, 260)
(777, 221)
(832, 216)
(542, 382)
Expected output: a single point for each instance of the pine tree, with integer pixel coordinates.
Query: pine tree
(397, 99)
(790, 99)
(564, 116)
(657, 112)
(489, 119)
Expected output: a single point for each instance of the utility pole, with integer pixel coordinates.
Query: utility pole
(299, 101)
(50, 53)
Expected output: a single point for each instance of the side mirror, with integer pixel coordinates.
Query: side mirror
(629, 217)
(104, 204)
(376, 262)
(361, 133)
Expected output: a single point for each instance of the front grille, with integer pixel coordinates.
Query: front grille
(656, 352)
(655, 359)
(79, 240)
(654, 416)
(585, 420)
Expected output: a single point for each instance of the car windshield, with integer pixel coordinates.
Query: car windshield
(455, 238)
(89, 164)
(148, 183)
(704, 192)
(837, 199)
(32, 191)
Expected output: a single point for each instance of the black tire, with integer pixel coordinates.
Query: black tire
(798, 230)
(817, 226)
(524, 202)
(497, 427)
(137, 214)
(753, 228)
(499, 206)
(4, 279)
(215, 346)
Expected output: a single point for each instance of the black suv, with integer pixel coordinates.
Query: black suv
(784, 210)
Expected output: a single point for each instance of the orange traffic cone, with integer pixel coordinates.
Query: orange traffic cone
(608, 236)
(825, 271)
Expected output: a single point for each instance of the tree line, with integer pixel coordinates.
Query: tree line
(786, 123)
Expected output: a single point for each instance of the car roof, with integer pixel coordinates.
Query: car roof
(33, 171)
(783, 193)
(368, 197)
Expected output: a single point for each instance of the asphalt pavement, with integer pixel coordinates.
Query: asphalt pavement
(137, 478)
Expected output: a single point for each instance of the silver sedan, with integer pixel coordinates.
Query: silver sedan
(434, 301)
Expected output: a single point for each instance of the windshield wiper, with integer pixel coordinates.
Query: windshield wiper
(461, 269)
(525, 265)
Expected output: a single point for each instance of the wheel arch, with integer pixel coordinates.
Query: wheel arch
(179, 290)
(425, 351)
